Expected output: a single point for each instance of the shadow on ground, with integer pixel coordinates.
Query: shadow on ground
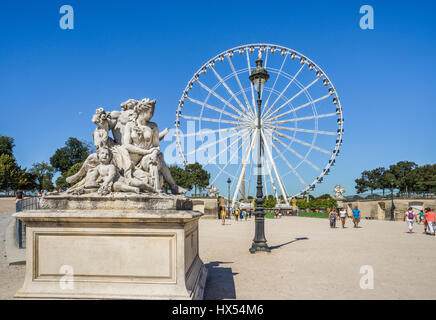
(220, 283)
(289, 242)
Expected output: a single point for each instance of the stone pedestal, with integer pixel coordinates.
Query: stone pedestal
(112, 254)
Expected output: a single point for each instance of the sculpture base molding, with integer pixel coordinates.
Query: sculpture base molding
(152, 254)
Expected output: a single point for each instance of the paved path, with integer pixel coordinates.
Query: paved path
(11, 277)
(308, 261)
(311, 261)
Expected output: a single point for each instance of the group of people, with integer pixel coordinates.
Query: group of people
(343, 215)
(239, 214)
(427, 216)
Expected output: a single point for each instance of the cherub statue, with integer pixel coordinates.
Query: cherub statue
(134, 153)
(104, 178)
(339, 191)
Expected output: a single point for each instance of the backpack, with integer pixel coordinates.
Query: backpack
(410, 215)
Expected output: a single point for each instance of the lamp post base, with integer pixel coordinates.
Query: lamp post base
(259, 246)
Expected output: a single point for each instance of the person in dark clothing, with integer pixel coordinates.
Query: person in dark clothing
(19, 195)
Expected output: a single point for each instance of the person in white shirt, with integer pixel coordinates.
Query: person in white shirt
(343, 214)
(410, 217)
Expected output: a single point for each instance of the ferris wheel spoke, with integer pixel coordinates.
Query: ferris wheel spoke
(227, 148)
(318, 116)
(216, 142)
(239, 83)
(221, 99)
(283, 91)
(251, 85)
(209, 131)
(230, 160)
(300, 107)
(268, 152)
(304, 130)
(211, 120)
(293, 170)
(296, 153)
(290, 166)
(291, 99)
(274, 85)
(244, 164)
(230, 91)
(214, 108)
(280, 134)
(266, 58)
(274, 187)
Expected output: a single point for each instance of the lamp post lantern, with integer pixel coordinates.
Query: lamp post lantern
(258, 77)
(228, 199)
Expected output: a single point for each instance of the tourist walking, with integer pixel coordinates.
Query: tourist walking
(356, 217)
(236, 215)
(223, 215)
(421, 216)
(425, 223)
(249, 213)
(332, 217)
(430, 217)
(343, 215)
(19, 195)
(245, 215)
(410, 217)
(38, 196)
(240, 214)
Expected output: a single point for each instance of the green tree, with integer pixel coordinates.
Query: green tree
(425, 178)
(402, 172)
(302, 204)
(269, 203)
(362, 183)
(10, 172)
(6, 145)
(73, 152)
(200, 177)
(331, 203)
(61, 181)
(391, 181)
(377, 178)
(12, 177)
(181, 178)
(43, 173)
(324, 196)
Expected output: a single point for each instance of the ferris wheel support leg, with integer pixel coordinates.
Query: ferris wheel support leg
(271, 180)
(244, 164)
(268, 152)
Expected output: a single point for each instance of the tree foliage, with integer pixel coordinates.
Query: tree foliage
(12, 176)
(322, 202)
(43, 174)
(197, 175)
(192, 176)
(6, 145)
(61, 181)
(404, 175)
(73, 152)
(270, 202)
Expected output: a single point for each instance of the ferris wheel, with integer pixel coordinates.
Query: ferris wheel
(301, 122)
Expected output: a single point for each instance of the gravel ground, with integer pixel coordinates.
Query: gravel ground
(308, 260)
(11, 277)
(7, 205)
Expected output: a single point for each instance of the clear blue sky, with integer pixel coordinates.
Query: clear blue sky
(52, 80)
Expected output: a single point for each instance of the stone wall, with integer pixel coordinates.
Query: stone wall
(207, 206)
(381, 209)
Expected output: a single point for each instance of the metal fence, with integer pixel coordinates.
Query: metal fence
(20, 227)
